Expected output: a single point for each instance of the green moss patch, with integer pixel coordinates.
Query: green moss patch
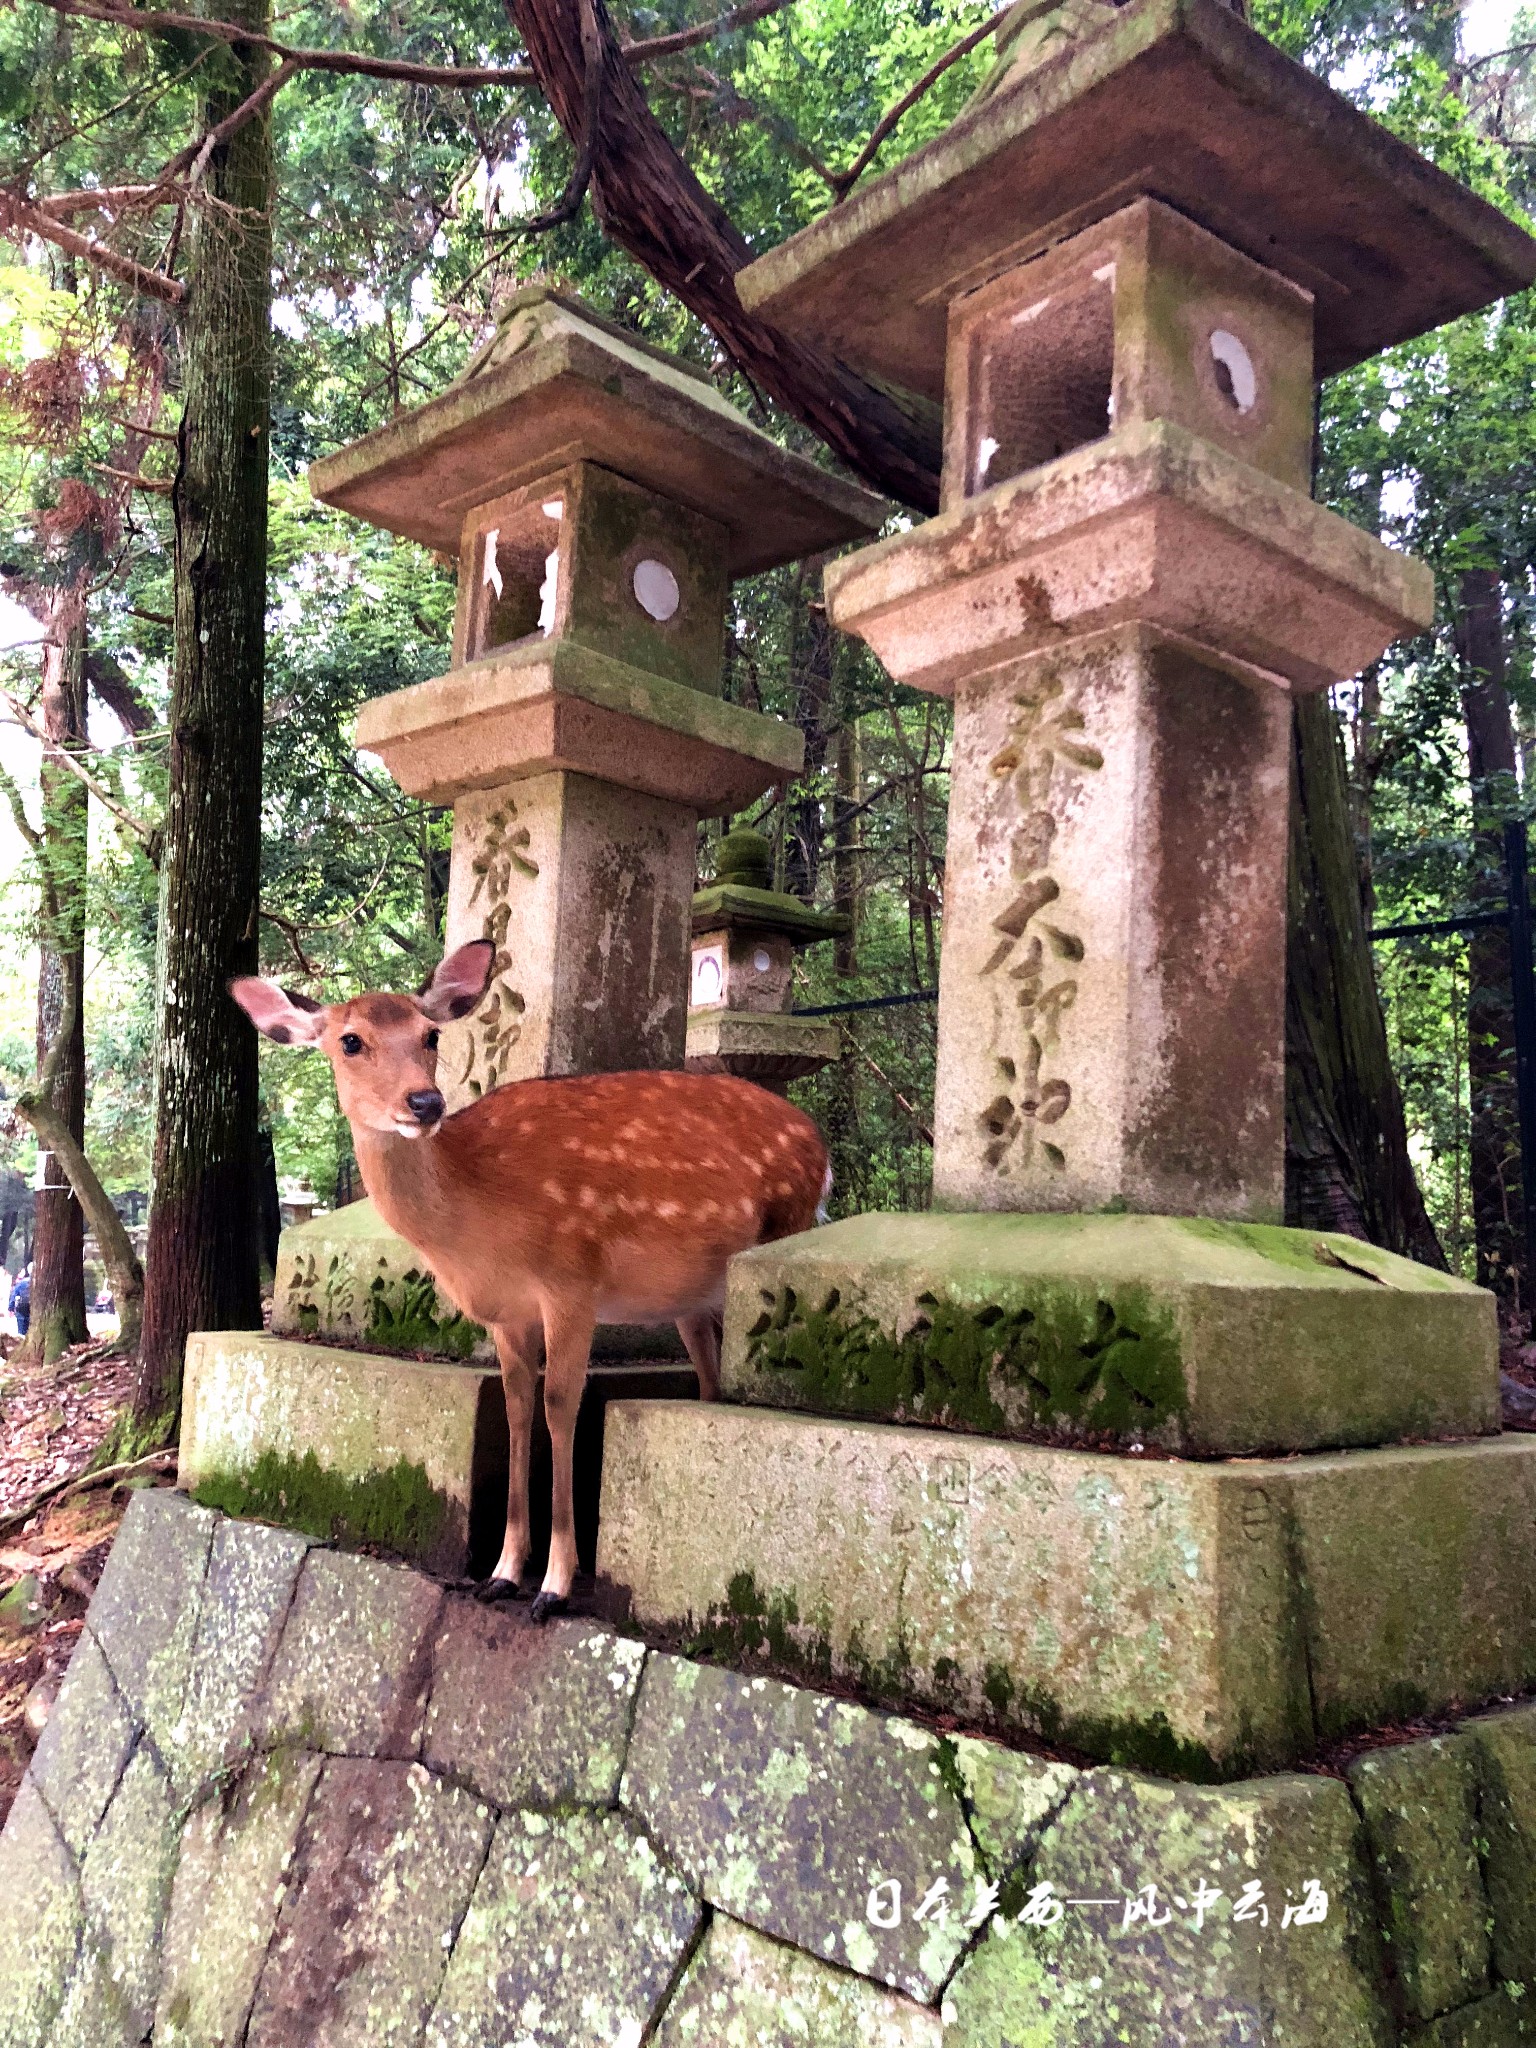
(1066, 1358)
(404, 1315)
(397, 1508)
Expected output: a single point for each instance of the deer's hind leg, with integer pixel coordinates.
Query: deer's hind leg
(701, 1336)
(517, 1350)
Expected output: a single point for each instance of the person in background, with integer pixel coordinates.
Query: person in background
(21, 1301)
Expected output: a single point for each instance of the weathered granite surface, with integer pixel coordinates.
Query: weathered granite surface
(390, 1817)
(1205, 1618)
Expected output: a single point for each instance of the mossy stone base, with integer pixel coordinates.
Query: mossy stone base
(347, 1275)
(1205, 1619)
(339, 1444)
(745, 1863)
(1207, 1338)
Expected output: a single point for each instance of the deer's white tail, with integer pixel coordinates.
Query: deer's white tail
(826, 1189)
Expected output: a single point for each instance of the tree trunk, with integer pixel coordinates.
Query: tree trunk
(1346, 1146)
(811, 649)
(203, 1262)
(846, 827)
(1498, 1216)
(1344, 1115)
(58, 1260)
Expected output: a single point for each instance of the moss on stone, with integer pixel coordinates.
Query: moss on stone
(1064, 1357)
(404, 1315)
(397, 1507)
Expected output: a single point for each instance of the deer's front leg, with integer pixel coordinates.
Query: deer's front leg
(516, 1349)
(567, 1353)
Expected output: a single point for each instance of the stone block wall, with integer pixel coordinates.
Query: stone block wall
(295, 1796)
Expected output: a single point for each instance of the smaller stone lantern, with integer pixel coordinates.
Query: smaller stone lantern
(745, 937)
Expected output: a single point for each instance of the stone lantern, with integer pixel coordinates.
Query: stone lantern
(600, 498)
(745, 936)
(1122, 271)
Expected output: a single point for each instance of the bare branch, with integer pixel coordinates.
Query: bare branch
(568, 204)
(290, 932)
(102, 199)
(450, 77)
(22, 822)
(159, 484)
(146, 835)
(701, 32)
(114, 687)
(844, 181)
(455, 77)
(19, 212)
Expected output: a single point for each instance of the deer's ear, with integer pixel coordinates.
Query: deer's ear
(462, 978)
(286, 1018)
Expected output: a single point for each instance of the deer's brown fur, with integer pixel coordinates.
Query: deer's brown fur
(553, 1205)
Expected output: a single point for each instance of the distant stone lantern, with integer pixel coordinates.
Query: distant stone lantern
(600, 498)
(745, 936)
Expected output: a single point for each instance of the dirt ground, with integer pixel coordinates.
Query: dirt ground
(52, 1422)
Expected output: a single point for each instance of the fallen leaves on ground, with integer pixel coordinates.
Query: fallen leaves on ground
(53, 1419)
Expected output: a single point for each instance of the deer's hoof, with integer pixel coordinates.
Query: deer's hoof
(547, 1604)
(489, 1591)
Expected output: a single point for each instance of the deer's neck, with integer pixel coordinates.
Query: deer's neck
(407, 1182)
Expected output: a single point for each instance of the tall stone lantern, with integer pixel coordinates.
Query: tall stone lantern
(1122, 270)
(600, 498)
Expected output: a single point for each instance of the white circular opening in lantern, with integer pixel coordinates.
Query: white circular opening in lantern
(762, 959)
(1236, 378)
(708, 977)
(656, 590)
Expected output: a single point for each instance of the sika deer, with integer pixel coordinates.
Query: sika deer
(555, 1204)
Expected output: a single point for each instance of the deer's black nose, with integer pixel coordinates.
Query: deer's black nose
(425, 1104)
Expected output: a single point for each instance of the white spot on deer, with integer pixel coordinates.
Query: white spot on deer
(554, 1191)
(667, 1210)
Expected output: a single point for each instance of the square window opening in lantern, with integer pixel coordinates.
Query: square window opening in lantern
(516, 579)
(1040, 377)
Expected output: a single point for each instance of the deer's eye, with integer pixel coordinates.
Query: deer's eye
(351, 1044)
(430, 1041)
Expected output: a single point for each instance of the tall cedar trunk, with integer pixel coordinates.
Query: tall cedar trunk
(846, 826)
(1346, 1147)
(58, 1264)
(1497, 1209)
(812, 680)
(1344, 1111)
(204, 1244)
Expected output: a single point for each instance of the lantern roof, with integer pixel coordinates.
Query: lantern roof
(1179, 100)
(557, 384)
